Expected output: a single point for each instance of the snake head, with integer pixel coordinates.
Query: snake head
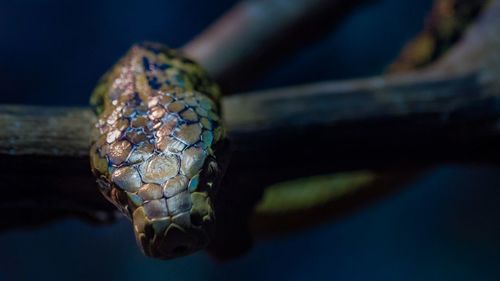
(154, 148)
(172, 215)
(168, 197)
(170, 220)
(179, 222)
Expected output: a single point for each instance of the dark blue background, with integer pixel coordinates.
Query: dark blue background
(442, 227)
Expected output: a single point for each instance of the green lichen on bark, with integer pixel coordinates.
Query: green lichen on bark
(306, 193)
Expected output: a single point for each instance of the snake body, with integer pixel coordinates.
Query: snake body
(156, 147)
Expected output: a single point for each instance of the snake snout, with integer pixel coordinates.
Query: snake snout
(175, 242)
(166, 230)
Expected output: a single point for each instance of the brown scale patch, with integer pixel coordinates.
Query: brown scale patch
(202, 112)
(159, 168)
(129, 108)
(206, 123)
(167, 128)
(126, 96)
(163, 134)
(191, 101)
(142, 108)
(122, 124)
(162, 143)
(119, 151)
(189, 115)
(156, 125)
(136, 136)
(156, 209)
(154, 101)
(112, 118)
(176, 106)
(165, 99)
(113, 135)
(156, 112)
(175, 185)
(127, 178)
(139, 122)
(179, 203)
(170, 144)
(192, 160)
(151, 191)
(141, 153)
(190, 134)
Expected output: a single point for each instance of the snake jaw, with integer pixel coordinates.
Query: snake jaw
(154, 147)
(174, 242)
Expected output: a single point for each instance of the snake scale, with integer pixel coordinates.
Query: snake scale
(157, 146)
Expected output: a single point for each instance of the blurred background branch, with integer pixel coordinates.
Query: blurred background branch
(254, 35)
(445, 25)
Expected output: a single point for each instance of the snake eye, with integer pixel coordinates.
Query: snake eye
(105, 188)
(212, 172)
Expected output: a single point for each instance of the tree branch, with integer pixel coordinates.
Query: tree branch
(255, 34)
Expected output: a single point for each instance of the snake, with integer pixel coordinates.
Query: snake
(159, 151)
(157, 148)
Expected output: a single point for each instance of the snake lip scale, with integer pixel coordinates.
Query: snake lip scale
(156, 148)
